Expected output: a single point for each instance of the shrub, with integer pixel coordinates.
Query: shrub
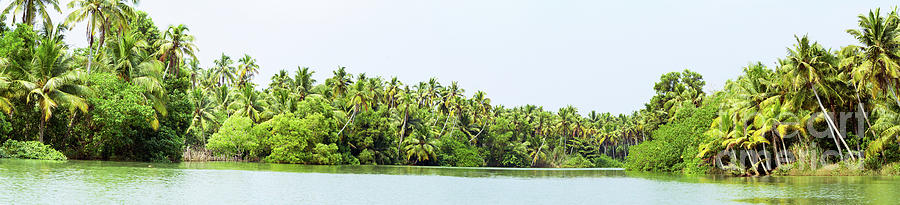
(367, 157)
(297, 140)
(234, 138)
(577, 161)
(459, 154)
(675, 145)
(29, 150)
(326, 154)
(607, 162)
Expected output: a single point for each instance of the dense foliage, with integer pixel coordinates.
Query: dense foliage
(137, 92)
(29, 150)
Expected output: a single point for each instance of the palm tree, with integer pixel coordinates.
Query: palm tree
(246, 69)
(204, 110)
(339, 82)
(30, 9)
(809, 63)
(887, 125)
(877, 63)
(303, 82)
(49, 82)
(421, 146)
(449, 101)
(126, 57)
(100, 16)
(360, 101)
(174, 45)
(248, 102)
(224, 72)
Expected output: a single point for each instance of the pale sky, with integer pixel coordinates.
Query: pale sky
(595, 55)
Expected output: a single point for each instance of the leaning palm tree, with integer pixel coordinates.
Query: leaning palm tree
(173, 47)
(809, 63)
(30, 9)
(100, 15)
(359, 101)
(49, 82)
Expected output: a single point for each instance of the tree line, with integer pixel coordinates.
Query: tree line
(137, 92)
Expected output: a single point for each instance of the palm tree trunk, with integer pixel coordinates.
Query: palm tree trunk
(760, 161)
(775, 148)
(449, 112)
(90, 58)
(348, 122)
(538, 153)
(830, 122)
(403, 129)
(41, 132)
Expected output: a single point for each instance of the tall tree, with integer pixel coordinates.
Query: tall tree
(174, 45)
(246, 69)
(809, 63)
(100, 15)
(50, 82)
(877, 68)
(30, 9)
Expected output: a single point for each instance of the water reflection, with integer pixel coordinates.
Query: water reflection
(47, 182)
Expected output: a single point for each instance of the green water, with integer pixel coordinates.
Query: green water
(95, 182)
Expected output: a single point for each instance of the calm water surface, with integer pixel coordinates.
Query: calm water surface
(95, 182)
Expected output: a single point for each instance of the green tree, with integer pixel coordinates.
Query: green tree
(30, 9)
(173, 47)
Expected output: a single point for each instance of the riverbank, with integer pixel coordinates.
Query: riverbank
(102, 182)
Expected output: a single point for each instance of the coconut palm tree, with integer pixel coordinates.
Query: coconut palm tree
(203, 112)
(809, 63)
(303, 82)
(126, 57)
(173, 47)
(30, 9)
(224, 72)
(421, 146)
(449, 101)
(246, 69)
(49, 81)
(100, 15)
(339, 82)
(887, 124)
(877, 69)
(359, 101)
(247, 102)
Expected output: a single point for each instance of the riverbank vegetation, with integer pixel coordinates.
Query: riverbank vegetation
(138, 93)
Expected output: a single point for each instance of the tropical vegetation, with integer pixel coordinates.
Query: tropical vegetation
(138, 93)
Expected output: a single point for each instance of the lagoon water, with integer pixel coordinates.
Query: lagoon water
(96, 182)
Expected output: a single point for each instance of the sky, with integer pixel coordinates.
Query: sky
(594, 55)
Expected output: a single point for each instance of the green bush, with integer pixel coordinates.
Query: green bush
(607, 162)
(326, 154)
(577, 161)
(455, 153)
(234, 138)
(367, 157)
(675, 145)
(29, 150)
(296, 140)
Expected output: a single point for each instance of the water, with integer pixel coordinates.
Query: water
(95, 182)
